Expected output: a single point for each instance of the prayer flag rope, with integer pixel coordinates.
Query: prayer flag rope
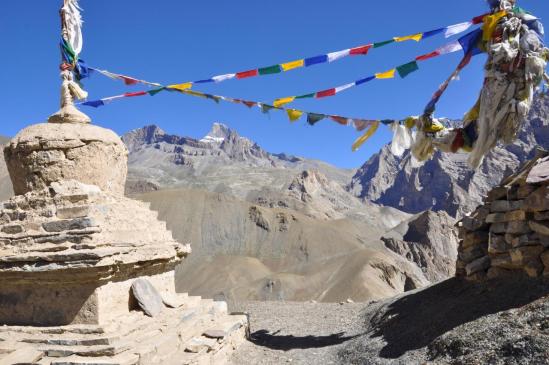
(330, 57)
(360, 125)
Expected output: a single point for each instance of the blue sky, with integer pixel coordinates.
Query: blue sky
(172, 41)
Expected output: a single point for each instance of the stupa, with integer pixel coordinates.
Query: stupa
(86, 274)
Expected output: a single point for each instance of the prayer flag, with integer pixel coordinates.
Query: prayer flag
(334, 56)
(313, 118)
(361, 124)
(427, 56)
(153, 92)
(265, 108)
(283, 101)
(213, 97)
(450, 47)
(433, 32)
(344, 87)
(326, 93)
(490, 24)
(408, 68)
(129, 80)
(362, 50)
(457, 28)
(204, 81)
(249, 104)
(315, 60)
(294, 114)
(415, 37)
(471, 41)
(381, 44)
(269, 70)
(386, 75)
(479, 19)
(221, 78)
(94, 103)
(291, 65)
(340, 120)
(138, 93)
(181, 87)
(246, 74)
(306, 96)
(369, 133)
(364, 80)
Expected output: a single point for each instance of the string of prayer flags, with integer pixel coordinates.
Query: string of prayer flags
(403, 71)
(293, 114)
(361, 50)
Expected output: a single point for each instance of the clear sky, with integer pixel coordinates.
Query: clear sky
(172, 41)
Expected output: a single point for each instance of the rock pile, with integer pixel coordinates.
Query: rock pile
(510, 231)
(86, 274)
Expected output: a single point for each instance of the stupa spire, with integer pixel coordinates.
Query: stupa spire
(70, 46)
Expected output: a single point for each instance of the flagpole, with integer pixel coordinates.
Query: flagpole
(70, 47)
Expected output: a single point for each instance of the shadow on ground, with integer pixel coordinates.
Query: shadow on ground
(414, 321)
(289, 342)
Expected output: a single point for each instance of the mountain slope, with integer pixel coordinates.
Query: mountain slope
(244, 251)
(446, 182)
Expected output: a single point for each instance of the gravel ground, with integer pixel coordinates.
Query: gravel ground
(297, 333)
(504, 322)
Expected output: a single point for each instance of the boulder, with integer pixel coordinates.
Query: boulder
(147, 297)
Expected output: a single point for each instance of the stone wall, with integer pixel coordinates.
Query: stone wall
(510, 231)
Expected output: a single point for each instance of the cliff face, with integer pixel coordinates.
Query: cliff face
(446, 182)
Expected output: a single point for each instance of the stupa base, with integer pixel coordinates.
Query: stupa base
(200, 331)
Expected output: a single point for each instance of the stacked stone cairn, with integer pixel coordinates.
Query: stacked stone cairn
(86, 274)
(509, 233)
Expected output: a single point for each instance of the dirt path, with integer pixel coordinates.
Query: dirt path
(297, 333)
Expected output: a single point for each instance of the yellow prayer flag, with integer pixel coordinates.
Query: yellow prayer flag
(415, 37)
(370, 132)
(386, 75)
(490, 24)
(181, 87)
(195, 93)
(283, 101)
(291, 65)
(294, 114)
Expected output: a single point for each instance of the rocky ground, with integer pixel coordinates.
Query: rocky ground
(454, 322)
(298, 333)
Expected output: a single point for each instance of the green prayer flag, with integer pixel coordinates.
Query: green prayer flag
(153, 92)
(381, 44)
(313, 118)
(269, 70)
(408, 68)
(265, 108)
(306, 96)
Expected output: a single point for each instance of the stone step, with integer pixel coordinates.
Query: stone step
(121, 359)
(24, 355)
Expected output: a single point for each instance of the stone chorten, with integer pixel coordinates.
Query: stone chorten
(80, 263)
(509, 233)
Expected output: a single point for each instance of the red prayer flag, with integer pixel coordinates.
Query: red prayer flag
(428, 56)
(325, 93)
(479, 19)
(138, 93)
(249, 104)
(245, 74)
(129, 80)
(340, 120)
(362, 50)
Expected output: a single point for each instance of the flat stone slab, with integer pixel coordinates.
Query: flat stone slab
(147, 297)
(539, 173)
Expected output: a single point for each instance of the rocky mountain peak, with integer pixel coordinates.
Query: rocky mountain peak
(219, 133)
(142, 136)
